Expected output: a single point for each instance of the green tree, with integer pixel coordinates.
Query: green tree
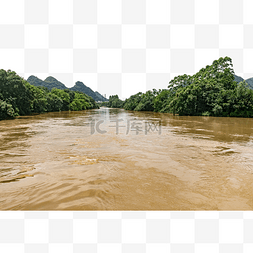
(6, 110)
(161, 99)
(54, 103)
(14, 92)
(80, 102)
(64, 96)
(132, 102)
(147, 101)
(18, 97)
(38, 101)
(205, 93)
(115, 102)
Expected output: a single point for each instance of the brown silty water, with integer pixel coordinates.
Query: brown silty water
(62, 161)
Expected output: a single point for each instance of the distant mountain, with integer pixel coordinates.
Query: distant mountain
(249, 81)
(238, 79)
(54, 83)
(51, 82)
(33, 80)
(102, 98)
(79, 86)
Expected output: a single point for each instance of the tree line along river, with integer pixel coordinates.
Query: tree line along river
(78, 161)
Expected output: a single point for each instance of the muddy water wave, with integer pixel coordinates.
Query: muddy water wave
(54, 162)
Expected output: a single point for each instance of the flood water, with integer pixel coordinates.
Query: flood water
(62, 161)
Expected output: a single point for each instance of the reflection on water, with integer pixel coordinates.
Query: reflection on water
(53, 162)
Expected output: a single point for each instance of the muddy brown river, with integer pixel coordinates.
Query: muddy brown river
(111, 159)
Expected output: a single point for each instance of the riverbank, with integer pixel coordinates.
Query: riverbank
(19, 98)
(212, 91)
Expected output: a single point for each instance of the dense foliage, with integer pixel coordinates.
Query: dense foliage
(18, 97)
(114, 102)
(210, 92)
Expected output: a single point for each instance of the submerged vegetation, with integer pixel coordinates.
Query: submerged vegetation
(18, 97)
(210, 92)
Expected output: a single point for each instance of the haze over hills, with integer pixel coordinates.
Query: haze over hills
(99, 96)
(249, 81)
(54, 83)
(79, 86)
(51, 82)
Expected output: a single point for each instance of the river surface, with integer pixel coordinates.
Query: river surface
(64, 161)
